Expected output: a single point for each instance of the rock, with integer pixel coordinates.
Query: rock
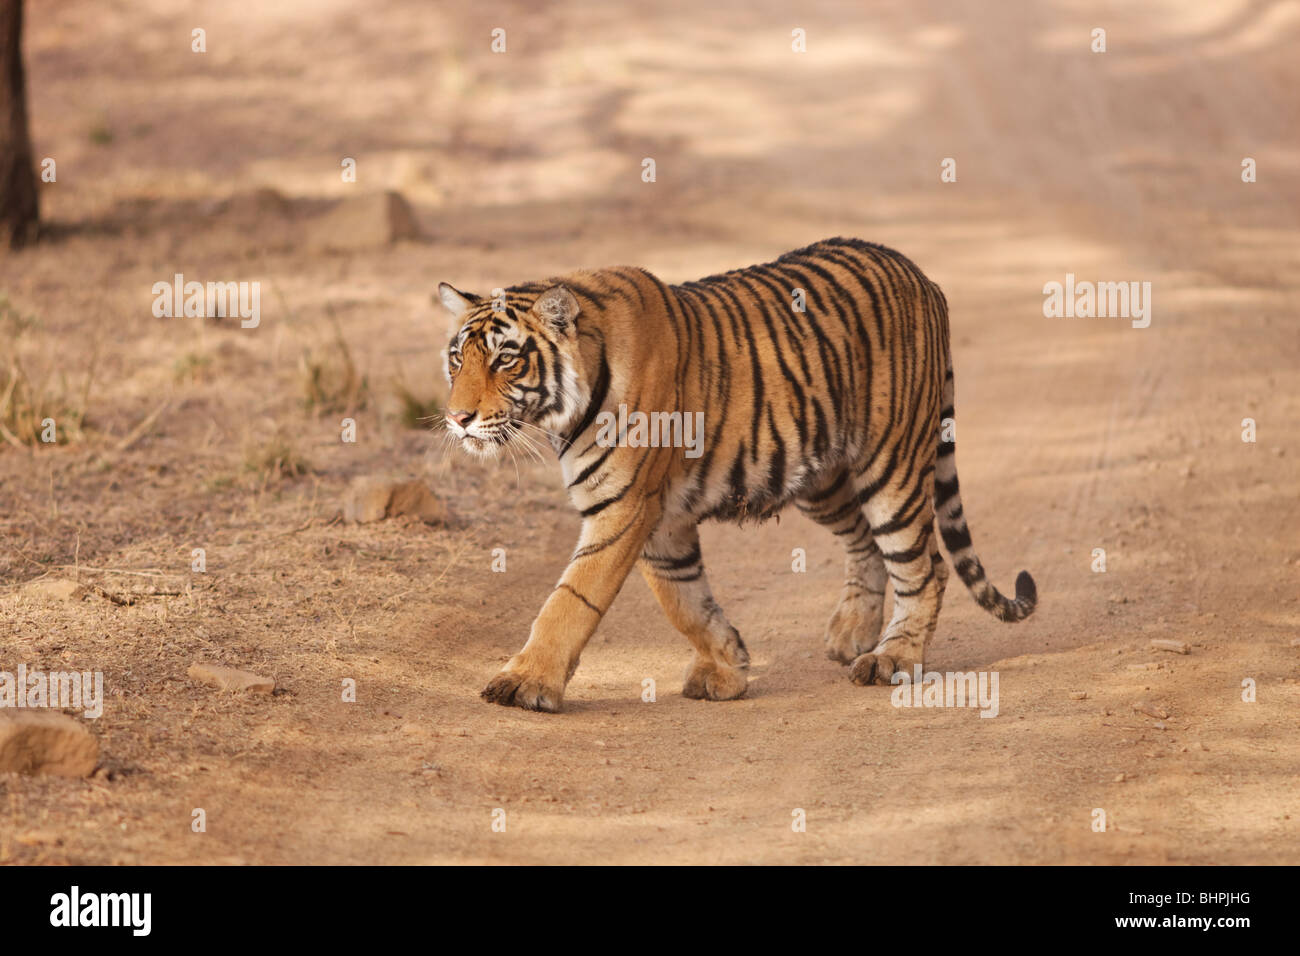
(55, 589)
(371, 499)
(228, 678)
(1176, 647)
(364, 222)
(366, 500)
(1145, 707)
(46, 742)
(1078, 695)
(414, 498)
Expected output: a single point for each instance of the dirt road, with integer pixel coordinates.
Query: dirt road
(1077, 434)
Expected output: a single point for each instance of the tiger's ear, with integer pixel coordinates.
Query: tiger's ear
(558, 307)
(455, 301)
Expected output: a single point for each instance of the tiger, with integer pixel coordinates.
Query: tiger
(825, 381)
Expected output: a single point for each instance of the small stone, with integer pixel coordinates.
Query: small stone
(1175, 647)
(46, 742)
(364, 222)
(1120, 778)
(228, 678)
(366, 500)
(415, 499)
(1078, 695)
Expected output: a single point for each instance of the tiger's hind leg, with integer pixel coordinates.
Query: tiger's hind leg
(902, 521)
(854, 626)
(671, 564)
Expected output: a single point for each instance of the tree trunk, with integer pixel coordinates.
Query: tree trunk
(19, 217)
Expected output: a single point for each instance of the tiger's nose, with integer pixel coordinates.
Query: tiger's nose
(460, 418)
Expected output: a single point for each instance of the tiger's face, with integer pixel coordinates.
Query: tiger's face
(512, 365)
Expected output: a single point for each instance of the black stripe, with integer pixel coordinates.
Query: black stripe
(675, 564)
(590, 469)
(955, 537)
(573, 591)
(597, 400)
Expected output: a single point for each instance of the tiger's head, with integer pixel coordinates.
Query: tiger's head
(513, 367)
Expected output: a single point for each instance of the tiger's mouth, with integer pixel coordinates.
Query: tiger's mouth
(509, 433)
(483, 447)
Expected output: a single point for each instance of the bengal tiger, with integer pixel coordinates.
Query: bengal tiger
(825, 379)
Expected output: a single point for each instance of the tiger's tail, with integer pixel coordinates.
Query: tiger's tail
(956, 534)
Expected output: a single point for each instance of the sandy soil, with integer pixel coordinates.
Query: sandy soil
(1076, 434)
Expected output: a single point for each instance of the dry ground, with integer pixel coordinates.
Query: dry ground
(1076, 434)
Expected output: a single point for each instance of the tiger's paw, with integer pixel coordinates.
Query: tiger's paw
(853, 629)
(708, 680)
(880, 665)
(516, 688)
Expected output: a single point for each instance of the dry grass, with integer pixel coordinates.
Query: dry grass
(330, 381)
(191, 368)
(274, 459)
(36, 411)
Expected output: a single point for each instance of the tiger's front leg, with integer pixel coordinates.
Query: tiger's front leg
(609, 545)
